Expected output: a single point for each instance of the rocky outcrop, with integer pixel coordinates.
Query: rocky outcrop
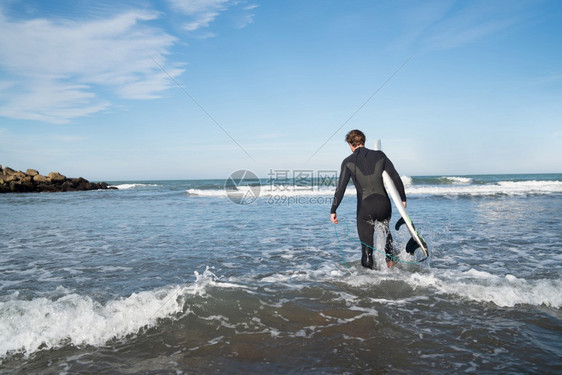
(12, 181)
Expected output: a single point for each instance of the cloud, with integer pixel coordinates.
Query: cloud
(191, 7)
(57, 66)
(202, 21)
(449, 24)
(465, 27)
(247, 17)
(202, 13)
(50, 101)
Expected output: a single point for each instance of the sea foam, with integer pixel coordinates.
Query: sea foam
(132, 186)
(503, 291)
(509, 188)
(472, 285)
(43, 323)
(454, 186)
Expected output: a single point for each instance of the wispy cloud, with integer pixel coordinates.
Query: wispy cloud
(55, 66)
(468, 25)
(201, 13)
(449, 24)
(48, 100)
(247, 16)
(192, 7)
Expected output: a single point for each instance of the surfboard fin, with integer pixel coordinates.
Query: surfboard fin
(399, 223)
(411, 246)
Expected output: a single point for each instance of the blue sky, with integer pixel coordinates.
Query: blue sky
(92, 89)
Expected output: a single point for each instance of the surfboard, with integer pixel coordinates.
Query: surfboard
(417, 240)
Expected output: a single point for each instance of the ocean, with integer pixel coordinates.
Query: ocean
(190, 277)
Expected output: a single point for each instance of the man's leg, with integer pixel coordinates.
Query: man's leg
(388, 247)
(366, 231)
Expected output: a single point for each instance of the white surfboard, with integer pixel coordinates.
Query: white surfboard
(416, 240)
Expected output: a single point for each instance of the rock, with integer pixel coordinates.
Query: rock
(9, 170)
(9, 177)
(4, 187)
(12, 181)
(81, 183)
(17, 187)
(47, 188)
(39, 179)
(27, 181)
(67, 186)
(56, 177)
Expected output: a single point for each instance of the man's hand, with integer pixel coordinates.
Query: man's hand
(334, 218)
(404, 203)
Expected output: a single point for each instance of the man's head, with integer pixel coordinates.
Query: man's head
(355, 138)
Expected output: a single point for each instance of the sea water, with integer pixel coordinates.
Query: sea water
(173, 277)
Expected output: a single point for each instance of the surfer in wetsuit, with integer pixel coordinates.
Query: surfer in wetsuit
(365, 168)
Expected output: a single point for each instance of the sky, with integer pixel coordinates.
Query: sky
(189, 89)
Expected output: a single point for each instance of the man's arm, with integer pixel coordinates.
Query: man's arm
(345, 175)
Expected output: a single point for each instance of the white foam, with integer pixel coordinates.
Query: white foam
(474, 285)
(458, 186)
(131, 186)
(207, 192)
(209, 279)
(481, 286)
(458, 180)
(44, 323)
(272, 191)
(511, 188)
(406, 180)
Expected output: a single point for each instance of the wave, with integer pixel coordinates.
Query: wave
(471, 285)
(132, 186)
(406, 180)
(457, 180)
(511, 188)
(42, 323)
(442, 180)
(458, 186)
(269, 191)
(28, 326)
(503, 291)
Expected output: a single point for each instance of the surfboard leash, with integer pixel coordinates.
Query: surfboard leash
(341, 249)
(371, 247)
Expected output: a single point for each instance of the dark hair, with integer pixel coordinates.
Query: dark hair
(355, 138)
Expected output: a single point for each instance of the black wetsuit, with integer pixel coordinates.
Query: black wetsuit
(365, 167)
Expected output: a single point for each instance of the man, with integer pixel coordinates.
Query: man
(365, 167)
